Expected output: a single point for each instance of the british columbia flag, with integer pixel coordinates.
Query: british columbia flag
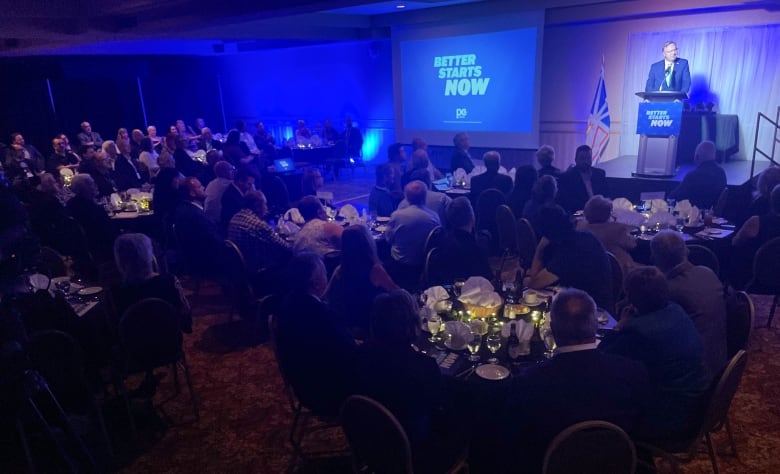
(597, 135)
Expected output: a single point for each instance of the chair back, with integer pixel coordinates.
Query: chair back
(723, 392)
(506, 226)
(740, 317)
(721, 204)
(437, 269)
(378, 441)
(594, 447)
(273, 327)
(331, 261)
(701, 255)
(150, 334)
(435, 238)
(766, 277)
(526, 242)
(51, 263)
(617, 276)
(487, 203)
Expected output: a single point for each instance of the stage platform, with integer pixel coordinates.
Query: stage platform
(622, 183)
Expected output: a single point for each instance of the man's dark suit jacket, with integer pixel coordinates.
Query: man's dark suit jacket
(490, 180)
(461, 159)
(96, 224)
(571, 388)
(572, 194)
(702, 185)
(316, 353)
(232, 202)
(198, 238)
(680, 81)
(125, 176)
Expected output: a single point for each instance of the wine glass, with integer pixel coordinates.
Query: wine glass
(549, 341)
(493, 343)
(434, 326)
(457, 286)
(473, 345)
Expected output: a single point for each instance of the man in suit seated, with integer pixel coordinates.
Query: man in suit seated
(578, 384)
(381, 200)
(461, 157)
(233, 197)
(702, 185)
(198, 238)
(315, 350)
(99, 230)
(491, 178)
(669, 74)
(581, 181)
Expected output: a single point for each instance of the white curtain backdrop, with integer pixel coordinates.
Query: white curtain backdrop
(738, 69)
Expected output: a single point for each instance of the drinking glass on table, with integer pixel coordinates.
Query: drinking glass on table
(473, 344)
(457, 286)
(493, 343)
(549, 341)
(434, 326)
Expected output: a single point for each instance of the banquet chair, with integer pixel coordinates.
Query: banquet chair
(722, 202)
(302, 417)
(594, 447)
(506, 226)
(436, 269)
(51, 263)
(378, 441)
(487, 204)
(526, 242)
(617, 276)
(714, 418)
(235, 280)
(701, 255)
(435, 238)
(740, 316)
(150, 337)
(766, 277)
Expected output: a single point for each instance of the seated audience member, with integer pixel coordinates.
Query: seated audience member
(166, 195)
(206, 141)
(89, 138)
(608, 387)
(261, 246)
(434, 200)
(97, 165)
(419, 161)
(275, 192)
(128, 172)
(491, 178)
(302, 133)
(198, 126)
(92, 217)
(148, 157)
(702, 185)
(329, 133)
(581, 182)
(184, 162)
(461, 157)
(311, 182)
(614, 236)
(246, 138)
(419, 144)
(381, 200)
(406, 233)
(545, 156)
(754, 233)
(396, 158)
(235, 151)
(543, 194)
(659, 334)
(134, 257)
(700, 293)
(111, 151)
(212, 206)
(263, 138)
(22, 161)
(198, 237)
(136, 136)
(358, 279)
(151, 132)
(61, 158)
(317, 234)
(525, 177)
(408, 383)
(46, 211)
(232, 199)
(767, 181)
(122, 136)
(315, 350)
(464, 257)
(570, 258)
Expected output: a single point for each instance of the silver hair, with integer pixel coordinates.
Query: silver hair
(134, 257)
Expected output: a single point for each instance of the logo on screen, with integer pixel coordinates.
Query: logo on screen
(461, 113)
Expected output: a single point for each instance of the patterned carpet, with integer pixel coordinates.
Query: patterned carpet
(244, 418)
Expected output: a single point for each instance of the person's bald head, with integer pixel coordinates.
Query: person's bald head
(415, 193)
(223, 169)
(705, 151)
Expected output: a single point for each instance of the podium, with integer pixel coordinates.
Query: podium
(658, 124)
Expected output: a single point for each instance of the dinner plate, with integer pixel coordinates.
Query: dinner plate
(492, 372)
(381, 228)
(90, 290)
(57, 280)
(383, 219)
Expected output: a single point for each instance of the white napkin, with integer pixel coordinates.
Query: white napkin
(116, 201)
(288, 228)
(66, 172)
(459, 175)
(348, 211)
(199, 155)
(523, 329)
(39, 281)
(628, 217)
(460, 332)
(683, 207)
(659, 205)
(434, 295)
(622, 203)
(663, 218)
(294, 215)
(139, 195)
(693, 215)
(479, 291)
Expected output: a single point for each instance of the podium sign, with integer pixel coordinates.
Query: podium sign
(658, 124)
(660, 119)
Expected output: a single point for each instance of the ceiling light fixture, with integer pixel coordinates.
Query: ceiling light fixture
(400, 6)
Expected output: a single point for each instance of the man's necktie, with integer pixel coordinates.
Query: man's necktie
(668, 74)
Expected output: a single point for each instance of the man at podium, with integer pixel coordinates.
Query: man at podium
(669, 74)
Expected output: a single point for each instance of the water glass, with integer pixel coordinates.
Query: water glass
(493, 343)
(473, 346)
(434, 326)
(549, 341)
(457, 286)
